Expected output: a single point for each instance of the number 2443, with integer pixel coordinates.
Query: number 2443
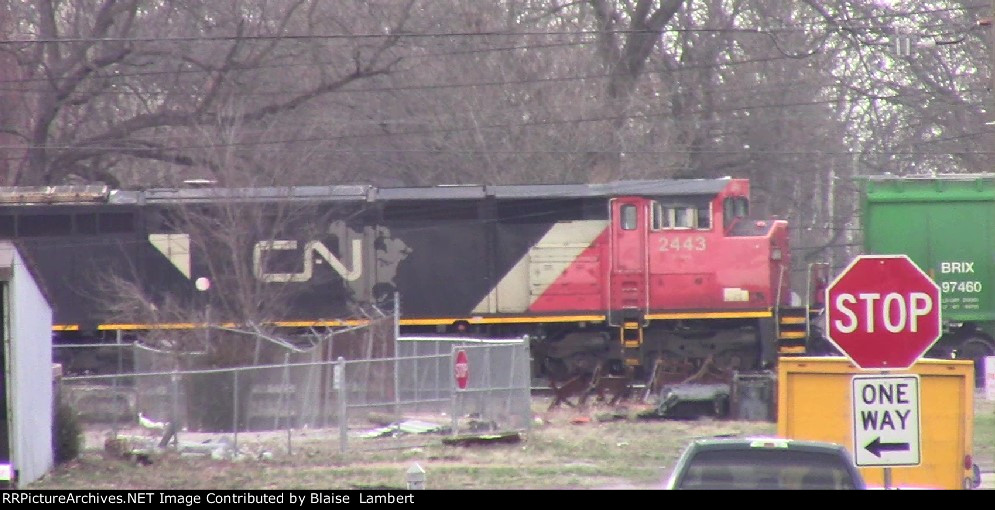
(689, 243)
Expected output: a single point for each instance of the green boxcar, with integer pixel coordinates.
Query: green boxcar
(946, 224)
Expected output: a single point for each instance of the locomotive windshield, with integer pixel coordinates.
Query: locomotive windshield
(681, 216)
(733, 208)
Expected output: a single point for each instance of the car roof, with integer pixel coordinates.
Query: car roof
(742, 443)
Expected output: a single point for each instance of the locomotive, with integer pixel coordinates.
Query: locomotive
(669, 277)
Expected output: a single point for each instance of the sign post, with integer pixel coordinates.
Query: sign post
(883, 313)
(461, 378)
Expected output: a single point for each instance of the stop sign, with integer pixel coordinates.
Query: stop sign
(461, 369)
(883, 312)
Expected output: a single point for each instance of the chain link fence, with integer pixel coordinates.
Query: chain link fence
(352, 391)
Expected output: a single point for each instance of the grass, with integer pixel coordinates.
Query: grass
(556, 454)
(984, 433)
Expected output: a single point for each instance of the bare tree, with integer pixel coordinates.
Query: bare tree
(114, 87)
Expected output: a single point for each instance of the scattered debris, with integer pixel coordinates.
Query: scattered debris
(387, 431)
(478, 425)
(483, 439)
(691, 401)
(144, 450)
(139, 450)
(612, 416)
(418, 427)
(404, 427)
(146, 423)
(472, 423)
(382, 419)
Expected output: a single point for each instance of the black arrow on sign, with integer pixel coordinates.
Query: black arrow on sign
(876, 447)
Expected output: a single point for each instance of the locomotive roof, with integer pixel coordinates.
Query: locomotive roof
(451, 192)
(366, 193)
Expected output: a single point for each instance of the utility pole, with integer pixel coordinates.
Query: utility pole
(990, 21)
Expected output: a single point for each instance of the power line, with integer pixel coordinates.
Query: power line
(536, 33)
(685, 68)
(433, 131)
(297, 37)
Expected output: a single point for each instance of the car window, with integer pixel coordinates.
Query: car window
(766, 469)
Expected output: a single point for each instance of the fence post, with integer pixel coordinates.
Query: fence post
(285, 406)
(525, 376)
(486, 402)
(452, 388)
(512, 393)
(174, 390)
(234, 414)
(338, 380)
(397, 355)
(120, 368)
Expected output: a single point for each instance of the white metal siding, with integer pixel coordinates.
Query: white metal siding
(30, 381)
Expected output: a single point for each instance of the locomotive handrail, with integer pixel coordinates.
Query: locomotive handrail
(777, 303)
(809, 295)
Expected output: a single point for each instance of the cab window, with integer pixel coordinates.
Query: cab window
(680, 217)
(734, 207)
(628, 217)
(704, 217)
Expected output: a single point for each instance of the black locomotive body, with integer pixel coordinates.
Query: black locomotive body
(626, 272)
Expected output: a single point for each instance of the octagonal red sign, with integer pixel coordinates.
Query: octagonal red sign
(883, 312)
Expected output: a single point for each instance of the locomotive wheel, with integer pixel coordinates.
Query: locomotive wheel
(976, 348)
(556, 369)
(669, 368)
(739, 359)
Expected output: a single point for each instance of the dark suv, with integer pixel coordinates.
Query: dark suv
(766, 464)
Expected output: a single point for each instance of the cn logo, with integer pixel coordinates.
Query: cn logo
(311, 249)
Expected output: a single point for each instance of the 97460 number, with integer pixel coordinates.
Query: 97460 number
(960, 286)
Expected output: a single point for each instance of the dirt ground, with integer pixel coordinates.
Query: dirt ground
(595, 448)
(599, 447)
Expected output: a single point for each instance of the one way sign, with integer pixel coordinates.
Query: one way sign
(886, 420)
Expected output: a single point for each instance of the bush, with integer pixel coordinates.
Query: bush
(67, 435)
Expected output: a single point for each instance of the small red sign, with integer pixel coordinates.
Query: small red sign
(461, 369)
(883, 312)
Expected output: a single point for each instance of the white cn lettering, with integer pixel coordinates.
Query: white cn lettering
(315, 247)
(896, 311)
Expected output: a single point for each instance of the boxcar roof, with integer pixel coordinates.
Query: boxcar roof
(928, 177)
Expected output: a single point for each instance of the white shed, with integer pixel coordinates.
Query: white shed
(26, 409)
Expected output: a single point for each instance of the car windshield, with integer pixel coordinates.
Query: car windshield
(772, 468)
